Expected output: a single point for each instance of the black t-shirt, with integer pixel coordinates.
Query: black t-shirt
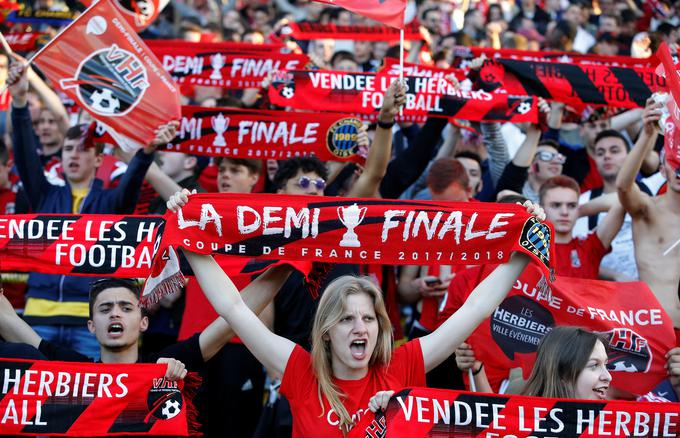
(188, 352)
(294, 307)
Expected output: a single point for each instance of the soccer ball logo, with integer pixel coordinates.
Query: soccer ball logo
(524, 107)
(171, 408)
(288, 92)
(109, 82)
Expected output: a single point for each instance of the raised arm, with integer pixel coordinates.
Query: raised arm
(271, 350)
(633, 200)
(381, 151)
(441, 343)
(13, 328)
(257, 295)
(611, 225)
(26, 156)
(50, 99)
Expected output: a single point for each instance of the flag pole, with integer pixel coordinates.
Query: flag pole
(471, 376)
(401, 63)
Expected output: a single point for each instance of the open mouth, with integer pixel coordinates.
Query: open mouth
(358, 349)
(601, 392)
(116, 329)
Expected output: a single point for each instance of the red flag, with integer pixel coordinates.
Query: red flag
(138, 13)
(672, 122)
(389, 12)
(626, 314)
(101, 63)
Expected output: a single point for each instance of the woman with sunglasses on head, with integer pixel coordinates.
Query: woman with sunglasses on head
(351, 358)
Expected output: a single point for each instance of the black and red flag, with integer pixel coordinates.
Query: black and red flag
(224, 64)
(362, 93)
(101, 63)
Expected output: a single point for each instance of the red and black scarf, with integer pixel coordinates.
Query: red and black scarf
(345, 230)
(425, 412)
(88, 399)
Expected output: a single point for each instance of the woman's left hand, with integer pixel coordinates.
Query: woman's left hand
(379, 401)
(534, 209)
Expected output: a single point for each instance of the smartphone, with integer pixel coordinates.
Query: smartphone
(431, 282)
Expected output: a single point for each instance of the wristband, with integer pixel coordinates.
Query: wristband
(474, 373)
(386, 125)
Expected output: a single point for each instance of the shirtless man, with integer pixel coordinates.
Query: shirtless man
(655, 219)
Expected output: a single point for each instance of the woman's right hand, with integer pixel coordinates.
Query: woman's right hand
(179, 200)
(379, 401)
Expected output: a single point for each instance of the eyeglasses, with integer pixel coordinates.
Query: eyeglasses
(548, 157)
(305, 181)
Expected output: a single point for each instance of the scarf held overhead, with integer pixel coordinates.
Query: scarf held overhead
(573, 84)
(263, 134)
(88, 399)
(225, 64)
(342, 230)
(425, 412)
(363, 93)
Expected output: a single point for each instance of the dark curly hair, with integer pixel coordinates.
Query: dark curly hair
(290, 167)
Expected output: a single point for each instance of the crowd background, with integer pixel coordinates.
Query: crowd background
(571, 164)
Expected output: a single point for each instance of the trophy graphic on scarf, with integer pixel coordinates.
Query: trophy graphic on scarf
(351, 217)
(219, 124)
(216, 62)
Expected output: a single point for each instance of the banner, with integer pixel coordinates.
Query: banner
(671, 123)
(225, 65)
(363, 93)
(389, 12)
(89, 399)
(99, 62)
(138, 13)
(425, 412)
(26, 41)
(264, 134)
(100, 245)
(317, 31)
(391, 66)
(628, 315)
(345, 230)
(462, 55)
(573, 84)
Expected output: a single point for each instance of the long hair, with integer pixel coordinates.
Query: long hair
(562, 354)
(330, 311)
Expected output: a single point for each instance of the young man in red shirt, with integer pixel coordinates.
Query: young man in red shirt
(576, 256)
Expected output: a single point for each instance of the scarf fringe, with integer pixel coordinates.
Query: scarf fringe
(192, 382)
(173, 283)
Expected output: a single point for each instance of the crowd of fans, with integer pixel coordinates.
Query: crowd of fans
(613, 199)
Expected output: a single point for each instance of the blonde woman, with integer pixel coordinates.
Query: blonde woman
(352, 357)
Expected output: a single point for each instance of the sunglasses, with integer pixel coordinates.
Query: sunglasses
(304, 182)
(548, 157)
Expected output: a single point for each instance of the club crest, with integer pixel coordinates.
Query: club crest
(536, 238)
(109, 82)
(341, 138)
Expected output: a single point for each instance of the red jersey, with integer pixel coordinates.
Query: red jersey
(300, 387)
(580, 257)
(7, 201)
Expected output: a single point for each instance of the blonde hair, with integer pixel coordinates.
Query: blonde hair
(329, 313)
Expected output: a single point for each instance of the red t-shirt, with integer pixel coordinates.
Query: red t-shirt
(580, 257)
(300, 387)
